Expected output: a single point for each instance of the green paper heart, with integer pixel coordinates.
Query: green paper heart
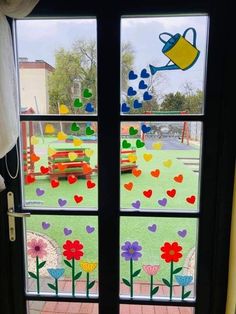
(74, 127)
(87, 93)
(89, 131)
(132, 131)
(139, 144)
(126, 144)
(78, 103)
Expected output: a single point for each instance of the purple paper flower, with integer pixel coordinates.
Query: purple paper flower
(131, 251)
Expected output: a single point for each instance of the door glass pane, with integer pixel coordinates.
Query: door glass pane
(45, 307)
(160, 165)
(158, 257)
(163, 64)
(61, 255)
(59, 161)
(155, 309)
(57, 66)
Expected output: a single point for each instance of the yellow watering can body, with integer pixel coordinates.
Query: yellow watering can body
(180, 51)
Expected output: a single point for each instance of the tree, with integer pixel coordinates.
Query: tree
(79, 65)
(173, 102)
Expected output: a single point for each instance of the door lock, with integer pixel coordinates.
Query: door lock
(12, 215)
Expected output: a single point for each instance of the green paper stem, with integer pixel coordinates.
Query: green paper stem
(171, 278)
(182, 296)
(131, 278)
(151, 286)
(73, 275)
(56, 286)
(87, 285)
(37, 274)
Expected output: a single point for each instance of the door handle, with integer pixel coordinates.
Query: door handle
(12, 215)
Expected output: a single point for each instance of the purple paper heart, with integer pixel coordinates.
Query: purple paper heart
(39, 192)
(182, 233)
(136, 204)
(67, 231)
(162, 202)
(45, 225)
(62, 202)
(90, 229)
(152, 228)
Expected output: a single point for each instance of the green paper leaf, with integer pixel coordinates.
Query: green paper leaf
(136, 273)
(32, 275)
(52, 286)
(166, 282)
(186, 294)
(91, 284)
(154, 291)
(42, 264)
(67, 263)
(77, 275)
(126, 282)
(177, 270)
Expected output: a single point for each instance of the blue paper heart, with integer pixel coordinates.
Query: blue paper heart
(137, 104)
(125, 107)
(131, 91)
(132, 75)
(145, 128)
(142, 85)
(89, 107)
(144, 73)
(147, 96)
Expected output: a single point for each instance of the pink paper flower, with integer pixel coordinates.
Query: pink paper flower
(37, 248)
(151, 270)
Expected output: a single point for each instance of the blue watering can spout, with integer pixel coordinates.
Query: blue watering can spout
(154, 69)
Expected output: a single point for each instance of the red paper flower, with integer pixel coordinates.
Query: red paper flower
(171, 252)
(73, 250)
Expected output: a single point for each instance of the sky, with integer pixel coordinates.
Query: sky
(39, 39)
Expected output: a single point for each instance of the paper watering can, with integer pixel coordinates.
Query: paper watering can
(179, 50)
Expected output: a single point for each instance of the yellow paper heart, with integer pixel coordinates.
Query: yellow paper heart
(147, 157)
(167, 163)
(77, 142)
(72, 156)
(61, 136)
(157, 145)
(88, 152)
(49, 129)
(132, 157)
(51, 151)
(34, 140)
(63, 109)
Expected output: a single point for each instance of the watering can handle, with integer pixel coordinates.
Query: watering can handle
(161, 39)
(194, 34)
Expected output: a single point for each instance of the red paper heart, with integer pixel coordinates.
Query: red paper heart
(171, 193)
(147, 193)
(55, 183)
(78, 199)
(129, 186)
(191, 199)
(30, 178)
(179, 178)
(155, 173)
(90, 184)
(72, 179)
(44, 170)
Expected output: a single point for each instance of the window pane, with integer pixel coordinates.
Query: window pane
(58, 249)
(154, 309)
(57, 66)
(59, 164)
(161, 255)
(45, 307)
(160, 164)
(163, 64)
